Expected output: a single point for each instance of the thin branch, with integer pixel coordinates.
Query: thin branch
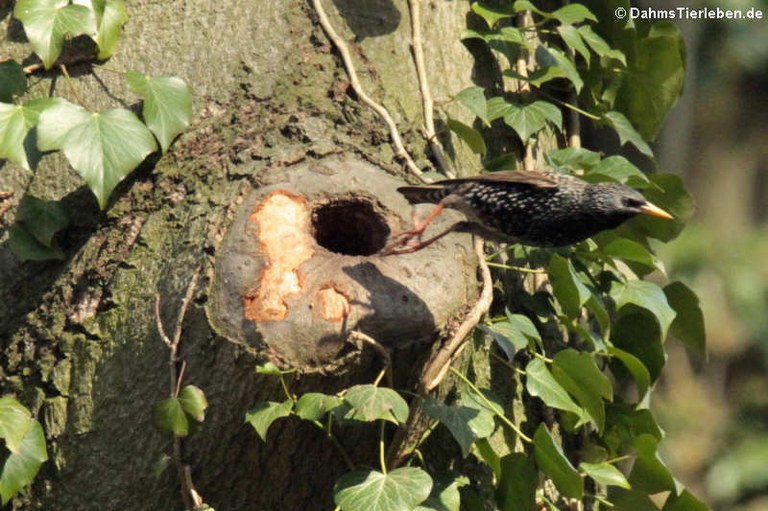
(381, 350)
(427, 104)
(346, 57)
(521, 67)
(439, 364)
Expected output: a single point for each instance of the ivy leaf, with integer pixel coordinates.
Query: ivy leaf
(12, 81)
(605, 474)
(265, 413)
(401, 489)
(554, 63)
(313, 406)
(551, 460)
(617, 168)
(573, 13)
(516, 489)
(111, 18)
(540, 383)
(102, 147)
(685, 501)
(632, 252)
(599, 46)
(468, 135)
(631, 500)
(578, 374)
(491, 15)
(42, 218)
(637, 332)
(567, 287)
(654, 79)
(48, 22)
(497, 107)
(513, 334)
(445, 495)
(645, 295)
(370, 403)
(271, 369)
(529, 119)
(627, 132)
(167, 106)
(16, 135)
(573, 157)
(474, 99)
(193, 402)
(636, 368)
(465, 424)
(573, 39)
(649, 474)
(688, 325)
(26, 247)
(169, 416)
(15, 421)
(22, 465)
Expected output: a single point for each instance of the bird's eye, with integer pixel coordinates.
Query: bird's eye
(632, 202)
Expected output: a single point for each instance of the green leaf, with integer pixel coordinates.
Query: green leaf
(468, 135)
(529, 119)
(102, 147)
(498, 107)
(516, 489)
(578, 374)
(445, 495)
(573, 157)
(491, 15)
(573, 39)
(12, 81)
(631, 500)
(110, 20)
(685, 501)
(637, 332)
(401, 489)
(15, 421)
(567, 287)
(167, 106)
(22, 465)
(554, 63)
(42, 218)
(551, 460)
(48, 22)
(654, 80)
(26, 247)
(486, 400)
(270, 368)
(605, 474)
(169, 416)
(265, 413)
(370, 403)
(573, 13)
(627, 132)
(631, 251)
(16, 123)
(313, 406)
(649, 474)
(688, 325)
(474, 99)
(636, 368)
(513, 334)
(465, 424)
(645, 295)
(540, 383)
(193, 402)
(599, 46)
(525, 5)
(491, 458)
(617, 168)
(669, 193)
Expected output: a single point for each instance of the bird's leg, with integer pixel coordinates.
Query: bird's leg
(409, 249)
(402, 239)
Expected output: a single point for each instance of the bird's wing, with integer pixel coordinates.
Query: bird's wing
(522, 177)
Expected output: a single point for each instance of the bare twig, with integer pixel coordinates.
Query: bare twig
(343, 50)
(427, 104)
(438, 366)
(381, 350)
(189, 496)
(521, 67)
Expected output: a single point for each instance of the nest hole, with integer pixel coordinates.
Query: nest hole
(349, 227)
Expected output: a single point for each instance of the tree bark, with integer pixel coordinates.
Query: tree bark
(80, 343)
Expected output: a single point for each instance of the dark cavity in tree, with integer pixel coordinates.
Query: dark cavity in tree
(349, 226)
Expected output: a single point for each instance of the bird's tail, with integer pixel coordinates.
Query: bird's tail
(426, 193)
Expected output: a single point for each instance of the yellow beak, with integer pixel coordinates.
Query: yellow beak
(654, 210)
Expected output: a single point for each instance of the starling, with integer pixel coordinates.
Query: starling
(543, 209)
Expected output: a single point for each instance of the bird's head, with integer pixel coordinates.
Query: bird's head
(621, 200)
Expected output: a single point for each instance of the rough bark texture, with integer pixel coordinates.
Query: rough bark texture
(79, 339)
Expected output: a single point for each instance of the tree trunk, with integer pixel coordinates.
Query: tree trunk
(81, 345)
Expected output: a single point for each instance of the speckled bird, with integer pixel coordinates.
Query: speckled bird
(543, 209)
